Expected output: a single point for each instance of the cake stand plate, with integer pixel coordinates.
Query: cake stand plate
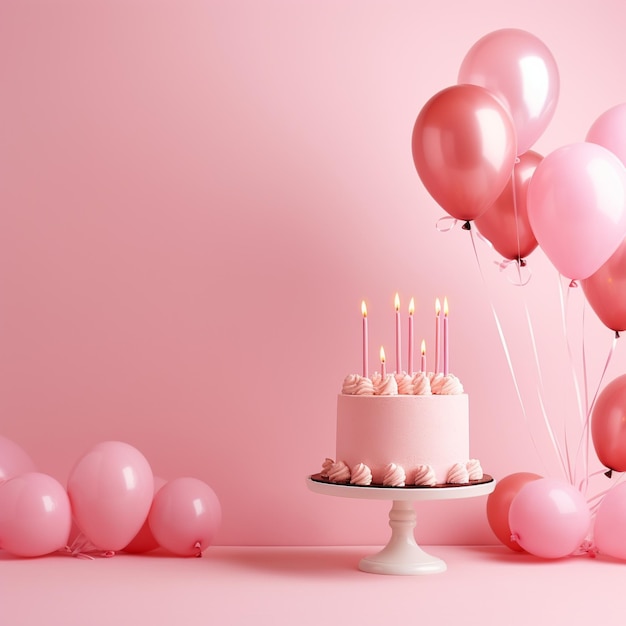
(402, 555)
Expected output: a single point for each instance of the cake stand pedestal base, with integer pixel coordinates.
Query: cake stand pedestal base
(402, 555)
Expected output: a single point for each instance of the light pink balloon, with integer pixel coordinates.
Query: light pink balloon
(111, 489)
(520, 70)
(144, 540)
(609, 130)
(185, 515)
(609, 536)
(35, 515)
(13, 460)
(549, 518)
(577, 207)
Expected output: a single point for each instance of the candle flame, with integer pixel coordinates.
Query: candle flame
(363, 308)
(396, 302)
(445, 307)
(412, 306)
(437, 307)
(423, 348)
(382, 354)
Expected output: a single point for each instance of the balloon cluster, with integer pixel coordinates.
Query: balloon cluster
(112, 502)
(471, 148)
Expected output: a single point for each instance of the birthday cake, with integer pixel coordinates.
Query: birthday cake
(402, 430)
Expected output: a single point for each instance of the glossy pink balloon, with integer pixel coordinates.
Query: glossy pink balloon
(499, 503)
(519, 69)
(144, 540)
(605, 290)
(577, 207)
(549, 518)
(609, 536)
(185, 515)
(609, 130)
(35, 515)
(111, 489)
(13, 460)
(505, 223)
(608, 425)
(464, 149)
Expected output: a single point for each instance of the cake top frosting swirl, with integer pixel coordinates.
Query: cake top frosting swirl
(419, 384)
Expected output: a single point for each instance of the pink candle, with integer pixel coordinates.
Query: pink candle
(365, 338)
(423, 358)
(410, 357)
(437, 333)
(398, 356)
(383, 370)
(445, 336)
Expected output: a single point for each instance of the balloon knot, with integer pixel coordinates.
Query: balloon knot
(522, 262)
(515, 538)
(467, 226)
(198, 547)
(617, 334)
(573, 284)
(609, 473)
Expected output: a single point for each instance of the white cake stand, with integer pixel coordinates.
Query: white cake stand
(402, 555)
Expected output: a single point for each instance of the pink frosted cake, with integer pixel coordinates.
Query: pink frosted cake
(402, 430)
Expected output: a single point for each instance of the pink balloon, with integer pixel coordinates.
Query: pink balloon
(608, 425)
(505, 223)
(609, 536)
(609, 130)
(519, 69)
(549, 518)
(605, 290)
(464, 149)
(111, 489)
(577, 207)
(35, 515)
(499, 503)
(144, 540)
(13, 460)
(185, 515)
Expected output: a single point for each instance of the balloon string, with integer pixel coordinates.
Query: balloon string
(442, 224)
(508, 357)
(586, 434)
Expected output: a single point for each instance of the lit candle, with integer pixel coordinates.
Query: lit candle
(410, 357)
(398, 357)
(445, 336)
(437, 333)
(365, 338)
(423, 358)
(383, 370)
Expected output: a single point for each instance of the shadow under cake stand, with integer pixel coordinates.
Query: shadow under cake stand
(402, 555)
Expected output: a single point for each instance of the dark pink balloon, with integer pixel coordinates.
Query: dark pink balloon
(144, 540)
(608, 425)
(464, 149)
(519, 69)
(505, 223)
(605, 290)
(499, 503)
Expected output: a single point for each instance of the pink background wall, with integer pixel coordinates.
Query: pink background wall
(196, 195)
